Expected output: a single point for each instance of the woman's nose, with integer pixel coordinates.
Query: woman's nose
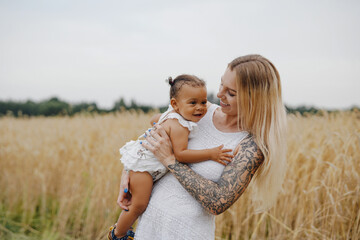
(220, 94)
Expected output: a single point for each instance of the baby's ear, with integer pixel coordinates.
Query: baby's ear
(174, 104)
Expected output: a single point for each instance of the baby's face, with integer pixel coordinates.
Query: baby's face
(191, 103)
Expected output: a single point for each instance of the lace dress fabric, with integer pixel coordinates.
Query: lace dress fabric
(137, 158)
(172, 212)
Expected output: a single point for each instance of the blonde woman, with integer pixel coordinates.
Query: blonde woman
(251, 120)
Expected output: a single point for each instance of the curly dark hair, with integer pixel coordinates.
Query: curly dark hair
(181, 80)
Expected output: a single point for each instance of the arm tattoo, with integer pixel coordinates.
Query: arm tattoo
(216, 197)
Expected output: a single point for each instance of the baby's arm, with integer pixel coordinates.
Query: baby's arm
(179, 139)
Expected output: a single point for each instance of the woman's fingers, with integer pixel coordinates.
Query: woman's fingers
(156, 138)
(161, 131)
(155, 133)
(120, 200)
(124, 201)
(124, 197)
(158, 142)
(150, 146)
(152, 141)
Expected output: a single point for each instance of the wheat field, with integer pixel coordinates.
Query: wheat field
(59, 179)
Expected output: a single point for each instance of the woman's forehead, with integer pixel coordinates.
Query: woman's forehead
(229, 79)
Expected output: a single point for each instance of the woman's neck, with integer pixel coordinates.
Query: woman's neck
(225, 122)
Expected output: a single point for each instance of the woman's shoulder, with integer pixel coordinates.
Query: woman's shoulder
(248, 144)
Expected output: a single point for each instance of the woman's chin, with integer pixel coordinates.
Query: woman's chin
(224, 109)
(228, 111)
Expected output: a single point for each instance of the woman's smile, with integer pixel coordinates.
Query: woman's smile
(222, 104)
(227, 93)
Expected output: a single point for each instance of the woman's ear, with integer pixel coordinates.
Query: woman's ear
(174, 104)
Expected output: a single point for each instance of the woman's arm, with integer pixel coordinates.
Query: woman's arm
(215, 197)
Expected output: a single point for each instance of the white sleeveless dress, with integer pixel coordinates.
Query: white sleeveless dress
(138, 159)
(172, 213)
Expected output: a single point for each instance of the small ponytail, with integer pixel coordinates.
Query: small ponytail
(170, 81)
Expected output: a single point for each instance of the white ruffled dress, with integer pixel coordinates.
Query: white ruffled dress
(138, 159)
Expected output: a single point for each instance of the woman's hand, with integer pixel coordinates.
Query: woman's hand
(124, 198)
(158, 142)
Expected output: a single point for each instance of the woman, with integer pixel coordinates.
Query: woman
(251, 120)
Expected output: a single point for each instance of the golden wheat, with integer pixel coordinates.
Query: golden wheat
(59, 179)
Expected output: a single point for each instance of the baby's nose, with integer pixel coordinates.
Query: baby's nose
(200, 107)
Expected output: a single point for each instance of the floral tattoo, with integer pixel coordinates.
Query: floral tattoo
(216, 197)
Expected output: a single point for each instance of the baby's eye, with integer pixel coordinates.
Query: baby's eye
(192, 102)
(203, 102)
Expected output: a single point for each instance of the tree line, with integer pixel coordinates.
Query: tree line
(56, 107)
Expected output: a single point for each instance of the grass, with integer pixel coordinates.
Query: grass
(59, 179)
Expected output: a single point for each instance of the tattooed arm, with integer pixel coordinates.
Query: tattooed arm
(215, 197)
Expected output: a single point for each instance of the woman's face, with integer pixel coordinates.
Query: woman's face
(227, 93)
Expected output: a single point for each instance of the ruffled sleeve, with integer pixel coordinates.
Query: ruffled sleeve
(183, 122)
(173, 115)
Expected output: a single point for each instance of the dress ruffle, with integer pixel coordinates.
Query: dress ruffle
(138, 159)
(170, 114)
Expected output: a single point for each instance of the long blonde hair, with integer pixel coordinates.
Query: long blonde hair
(262, 113)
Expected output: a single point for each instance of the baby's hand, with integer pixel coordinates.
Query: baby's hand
(220, 155)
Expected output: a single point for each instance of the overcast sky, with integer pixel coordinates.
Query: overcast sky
(99, 51)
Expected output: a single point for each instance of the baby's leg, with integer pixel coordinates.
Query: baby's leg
(140, 187)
